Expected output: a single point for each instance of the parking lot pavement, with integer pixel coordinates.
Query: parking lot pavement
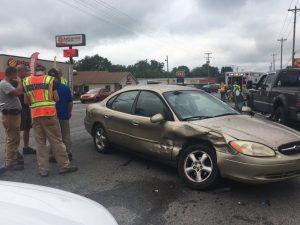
(137, 191)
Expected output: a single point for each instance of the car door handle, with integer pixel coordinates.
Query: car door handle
(106, 116)
(135, 123)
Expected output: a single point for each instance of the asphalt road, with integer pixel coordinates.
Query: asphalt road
(141, 192)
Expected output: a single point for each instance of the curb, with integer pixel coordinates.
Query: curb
(76, 102)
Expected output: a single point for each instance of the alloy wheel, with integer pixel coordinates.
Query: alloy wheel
(198, 166)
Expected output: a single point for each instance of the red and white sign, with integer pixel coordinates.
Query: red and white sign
(70, 40)
(180, 74)
(70, 53)
(296, 63)
(33, 62)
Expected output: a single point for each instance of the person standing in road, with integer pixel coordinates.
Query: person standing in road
(222, 91)
(41, 94)
(64, 111)
(11, 117)
(25, 115)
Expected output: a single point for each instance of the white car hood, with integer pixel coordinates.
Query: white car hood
(26, 204)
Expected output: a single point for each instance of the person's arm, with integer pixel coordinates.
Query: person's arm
(18, 90)
(26, 99)
(55, 96)
(55, 93)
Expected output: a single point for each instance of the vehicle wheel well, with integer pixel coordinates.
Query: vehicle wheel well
(194, 141)
(94, 127)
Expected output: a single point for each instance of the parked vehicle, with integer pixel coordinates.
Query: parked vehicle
(278, 94)
(195, 132)
(35, 205)
(95, 95)
(209, 88)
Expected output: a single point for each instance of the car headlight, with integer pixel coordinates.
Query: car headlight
(252, 148)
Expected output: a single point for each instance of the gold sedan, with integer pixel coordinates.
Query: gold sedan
(199, 134)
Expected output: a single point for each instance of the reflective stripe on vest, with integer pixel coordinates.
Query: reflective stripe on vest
(39, 90)
(63, 81)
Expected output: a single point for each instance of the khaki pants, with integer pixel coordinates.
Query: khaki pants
(48, 128)
(11, 124)
(66, 136)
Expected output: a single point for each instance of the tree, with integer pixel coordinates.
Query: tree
(93, 63)
(225, 69)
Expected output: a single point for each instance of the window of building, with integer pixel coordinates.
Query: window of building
(107, 87)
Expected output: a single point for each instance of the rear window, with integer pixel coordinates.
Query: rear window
(289, 79)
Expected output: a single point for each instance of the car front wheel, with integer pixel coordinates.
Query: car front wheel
(100, 140)
(198, 168)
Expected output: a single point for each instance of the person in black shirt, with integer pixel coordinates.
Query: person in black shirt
(25, 114)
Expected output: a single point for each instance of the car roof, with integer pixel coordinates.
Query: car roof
(161, 88)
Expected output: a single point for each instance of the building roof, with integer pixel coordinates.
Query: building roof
(99, 77)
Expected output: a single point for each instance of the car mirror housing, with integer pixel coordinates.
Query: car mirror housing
(157, 118)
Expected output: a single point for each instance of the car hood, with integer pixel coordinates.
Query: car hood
(244, 127)
(23, 204)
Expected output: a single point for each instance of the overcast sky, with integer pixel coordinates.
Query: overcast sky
(242, 33)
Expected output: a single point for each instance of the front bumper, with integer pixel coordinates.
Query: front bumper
(257, 169)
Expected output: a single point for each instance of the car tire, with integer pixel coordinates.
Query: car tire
(197, 167)
(101, 141)
(280, 115)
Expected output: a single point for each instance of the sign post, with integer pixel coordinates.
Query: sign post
(70, 41)
(180, 77)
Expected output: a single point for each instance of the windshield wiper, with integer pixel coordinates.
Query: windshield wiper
(226, 114)
(195, 118)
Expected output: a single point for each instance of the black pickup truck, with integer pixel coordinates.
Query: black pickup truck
(277, 94)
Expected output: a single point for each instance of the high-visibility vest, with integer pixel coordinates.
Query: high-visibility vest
(63, 81)
(236, 87)
(39, 90)
(222, 88)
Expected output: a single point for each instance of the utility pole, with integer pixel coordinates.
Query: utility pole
(273, 55)
(295, 10)
(281, 48)
(271, 65)
(167, 60)
(208, 57)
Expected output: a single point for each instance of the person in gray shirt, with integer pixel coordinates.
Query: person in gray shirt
(11, 117)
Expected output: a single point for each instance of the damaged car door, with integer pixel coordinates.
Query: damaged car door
(152, 136)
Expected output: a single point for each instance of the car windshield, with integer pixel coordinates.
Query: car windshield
(196, 105)
(93, 91)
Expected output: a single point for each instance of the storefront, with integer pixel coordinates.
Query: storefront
(14, 61)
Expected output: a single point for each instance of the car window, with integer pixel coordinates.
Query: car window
(195, 105)
(288, 79)
(261, 81)
(149, 104)
(110, 101)
(269, 81)
(124, 102)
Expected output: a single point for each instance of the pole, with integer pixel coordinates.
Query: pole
(295, 10)
(167, 60)
(208, 57)
(281, 49)
(273, 55)
(70, 75)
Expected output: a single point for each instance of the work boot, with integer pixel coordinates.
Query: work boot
(70, 169)
(20, 158)
(14, 167)
(29, 150)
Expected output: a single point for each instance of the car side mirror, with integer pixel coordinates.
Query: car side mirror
(157, 118)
